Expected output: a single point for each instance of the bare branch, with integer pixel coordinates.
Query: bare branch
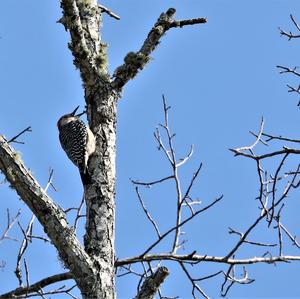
(194, 258)
(152, 284)
(135, 61)
(251, 147)
(36, 287)
(49, 183)
(186, 158)
(232, 279)
(14, 139)
(289, 34)
(233, 231)
(285, 70)
(194, 177)
(285, 150)
(181, 224)
(78, 214)
(193, 282)
(291, 237)
(274, 186)
(279, 231)
(22, 249)
(271, 137)
(109, 12)
(149, 184)
(50, 215)
(243, 237)
(10, 224)
(147, 212)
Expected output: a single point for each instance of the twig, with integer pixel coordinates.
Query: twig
(109, 12)
(292, 238)
(147, 212)
(10, 224)
(274, 186)
(271, 137)
(26, 274)
(78, 215)
(233, 279)
(285, 150)
(14, 139)
(290, 35)
(279, 230)
(49, 183)
(232, 231)
(285, 70)
(194, 284)
(251, 147)
(181, 224)
(149, 184)
(36, 287)
(174, 165)
(22, 249)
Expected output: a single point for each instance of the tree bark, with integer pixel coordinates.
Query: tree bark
(50, 215)
(92, 267)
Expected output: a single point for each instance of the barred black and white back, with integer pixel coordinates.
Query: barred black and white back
(78, 141)
(73, 139)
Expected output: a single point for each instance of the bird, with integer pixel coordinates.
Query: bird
(78, 142)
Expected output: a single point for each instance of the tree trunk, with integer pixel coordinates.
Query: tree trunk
(100, 195)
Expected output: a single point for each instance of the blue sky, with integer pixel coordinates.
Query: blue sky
(220, 78)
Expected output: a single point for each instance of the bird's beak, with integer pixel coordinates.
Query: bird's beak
(78, 115)
(73, 113)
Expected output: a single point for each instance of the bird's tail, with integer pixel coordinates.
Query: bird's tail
(85, 177)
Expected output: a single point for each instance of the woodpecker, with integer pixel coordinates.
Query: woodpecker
(78, 141)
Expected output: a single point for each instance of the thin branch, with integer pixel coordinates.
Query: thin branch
(10, 224)
(271, 137)
(184, 160)
(233, 279)
(195, 175)
(26, 273)
(147, 212)
(50, 183)
(284, 70)
(14, 139)
(135, 61)
(289, 34)
(275, 184)
(109, 12)
(243, 237)
(149, 184)
(251, 147)
(38, 285)
(232, 231)
(78, 214)
(22, 249)
(279, 231)
(291, 237)
(181, 224)
(285, 150)
(194, 284)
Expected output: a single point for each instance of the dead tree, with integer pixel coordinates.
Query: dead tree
(92, 265)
